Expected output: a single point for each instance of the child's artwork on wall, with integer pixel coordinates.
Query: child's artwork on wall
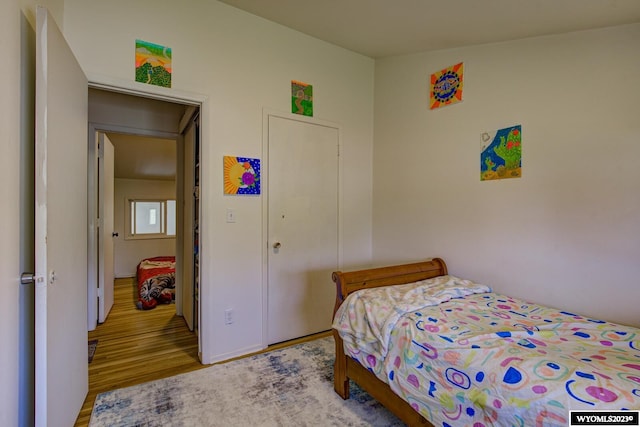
(301, 98)
(153, 64)
(241, 175)
(446, 86)
(501, 154)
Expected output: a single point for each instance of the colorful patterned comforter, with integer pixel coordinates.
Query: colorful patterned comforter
(486, 359)
(156, 281)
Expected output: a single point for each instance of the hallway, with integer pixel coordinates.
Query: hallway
(137, 346)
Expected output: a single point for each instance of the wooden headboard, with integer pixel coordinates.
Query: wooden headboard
(347, 283)
(345, 367)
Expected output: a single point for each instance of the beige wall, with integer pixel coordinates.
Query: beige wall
(10, 36)
(567, 232)
(128, 253)
(242, 64)
(55, 8)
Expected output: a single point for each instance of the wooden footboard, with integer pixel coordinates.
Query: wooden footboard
(346, 368)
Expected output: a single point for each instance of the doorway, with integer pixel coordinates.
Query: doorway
(152, 135)
(143, 196)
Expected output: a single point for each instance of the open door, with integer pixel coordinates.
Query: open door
(61, 374)
(105, 234)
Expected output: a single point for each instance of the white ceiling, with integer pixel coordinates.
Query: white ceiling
(379, 28)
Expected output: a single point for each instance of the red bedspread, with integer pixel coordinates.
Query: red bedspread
(156, 281)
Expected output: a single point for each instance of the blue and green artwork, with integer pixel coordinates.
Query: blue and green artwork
(501, 154)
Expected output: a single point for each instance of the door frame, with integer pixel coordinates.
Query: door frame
(159, 93)
(266, 114)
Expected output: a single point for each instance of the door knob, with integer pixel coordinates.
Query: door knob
(27, 278)
(114, 234)
(276, 245)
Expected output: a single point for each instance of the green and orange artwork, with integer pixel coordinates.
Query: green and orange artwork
(501, 154)
(301, 98)
(153, 64)
(241, 175)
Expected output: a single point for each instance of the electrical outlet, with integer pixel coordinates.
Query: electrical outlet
(228, 316)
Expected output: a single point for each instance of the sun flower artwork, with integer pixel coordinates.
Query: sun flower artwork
(241, 175)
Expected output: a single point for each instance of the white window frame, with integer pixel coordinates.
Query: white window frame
(129, 220)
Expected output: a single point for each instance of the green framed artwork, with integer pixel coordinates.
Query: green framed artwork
(301, 98)
(153, 64)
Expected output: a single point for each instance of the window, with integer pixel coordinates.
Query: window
(151, 219)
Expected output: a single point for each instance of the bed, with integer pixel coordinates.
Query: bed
(156, 279)
(438, 350)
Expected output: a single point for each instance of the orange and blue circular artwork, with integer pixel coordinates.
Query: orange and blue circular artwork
(446, 86)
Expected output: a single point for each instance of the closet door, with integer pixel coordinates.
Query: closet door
(303, 227)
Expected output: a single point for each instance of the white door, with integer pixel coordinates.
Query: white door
(61, 374)
(302, 227)
(106, 233)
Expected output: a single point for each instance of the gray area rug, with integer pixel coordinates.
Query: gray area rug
(292, 386)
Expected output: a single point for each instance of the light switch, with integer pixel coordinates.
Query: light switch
(231, 215)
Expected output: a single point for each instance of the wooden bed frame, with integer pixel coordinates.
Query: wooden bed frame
(345, 367)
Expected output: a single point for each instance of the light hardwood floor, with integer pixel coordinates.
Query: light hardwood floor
(137, 346)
